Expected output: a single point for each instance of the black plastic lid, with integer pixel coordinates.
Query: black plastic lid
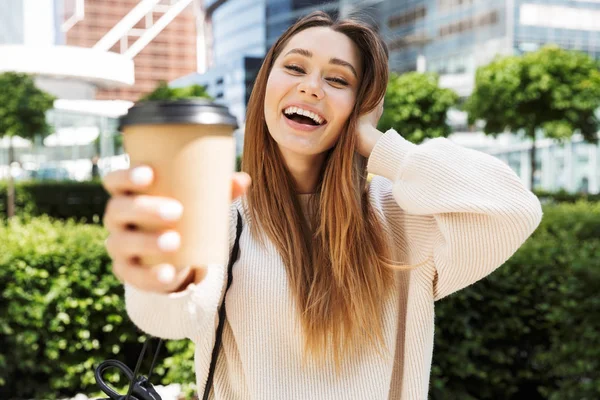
(192, 111)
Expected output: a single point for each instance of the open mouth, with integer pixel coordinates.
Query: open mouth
(304, 117)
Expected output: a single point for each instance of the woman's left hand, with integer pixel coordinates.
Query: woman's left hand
(367, 131)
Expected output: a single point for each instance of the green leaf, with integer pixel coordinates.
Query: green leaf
(416, 107)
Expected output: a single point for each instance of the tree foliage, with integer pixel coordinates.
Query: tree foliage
(23, 109)
(164, 92)
(23, 106)
(416, 107)
(553, 90)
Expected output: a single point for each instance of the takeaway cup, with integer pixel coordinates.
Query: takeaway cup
(190, 146)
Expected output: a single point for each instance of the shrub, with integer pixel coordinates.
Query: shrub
(62, 311)
(528, 331)
(531, 329)
(562, 196)
(83, 201)
(86, 201)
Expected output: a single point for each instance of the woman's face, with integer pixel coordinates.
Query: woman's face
(311, 91)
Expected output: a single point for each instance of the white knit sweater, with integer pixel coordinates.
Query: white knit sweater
(463, 211)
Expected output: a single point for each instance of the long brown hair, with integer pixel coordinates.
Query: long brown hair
(339, 273)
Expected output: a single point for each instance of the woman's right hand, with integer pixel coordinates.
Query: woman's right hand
(140, 224)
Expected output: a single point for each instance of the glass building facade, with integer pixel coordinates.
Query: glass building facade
(454, 37)
(457, 36)
(238, 30)
(571, 24)
(281, 14)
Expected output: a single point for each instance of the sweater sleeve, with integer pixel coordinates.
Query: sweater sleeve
(183, 314)
(481, 211)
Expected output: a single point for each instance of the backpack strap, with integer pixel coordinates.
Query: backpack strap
(222, 315)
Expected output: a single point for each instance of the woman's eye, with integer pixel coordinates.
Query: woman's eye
(299, 70)
(339, 81)
(294, 68)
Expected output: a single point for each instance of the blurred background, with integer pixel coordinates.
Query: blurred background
(518, 79)
(98, 56)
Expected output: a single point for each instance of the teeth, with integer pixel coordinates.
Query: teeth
(306, 113)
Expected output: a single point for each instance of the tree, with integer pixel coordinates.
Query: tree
(23, 109)
(416, 107)
(552, 90)
(164, 92)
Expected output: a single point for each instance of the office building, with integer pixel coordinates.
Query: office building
(281, 14)
(454, 37)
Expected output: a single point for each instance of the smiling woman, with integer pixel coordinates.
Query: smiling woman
(332, 295)
(311, 76)
(319, 71)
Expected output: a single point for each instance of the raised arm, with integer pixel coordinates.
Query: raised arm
(480, 212)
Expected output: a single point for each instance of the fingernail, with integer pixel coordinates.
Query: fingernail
(166, 274)
(169, 241)
(171, 211)
(141, 176)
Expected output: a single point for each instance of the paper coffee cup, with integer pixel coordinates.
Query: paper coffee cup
(190, 146)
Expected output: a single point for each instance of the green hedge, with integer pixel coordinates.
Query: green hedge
(62, 311)
(562, 196)
(532, 329)
(529, 331)
(83, 201)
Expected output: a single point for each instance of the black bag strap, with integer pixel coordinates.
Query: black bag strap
(222, 315)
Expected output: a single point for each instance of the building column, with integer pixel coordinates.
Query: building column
(107, 148)
(569, 160)
(421, 62)
(526, 167)
(594, 168)
(547, 169)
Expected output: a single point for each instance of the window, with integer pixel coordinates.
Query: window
(465, 25)
(415, 39)
(407, 18)
(300, 4)
(448, 4)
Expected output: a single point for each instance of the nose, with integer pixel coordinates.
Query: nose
(311, 86)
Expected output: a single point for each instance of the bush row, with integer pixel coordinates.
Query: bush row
(82, 201)
(85, 201)
(529, 331)
(562, 196)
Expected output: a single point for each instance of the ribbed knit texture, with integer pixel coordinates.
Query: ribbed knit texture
(459, 212)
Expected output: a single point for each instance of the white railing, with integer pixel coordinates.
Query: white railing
(78, 15)
(144, 10)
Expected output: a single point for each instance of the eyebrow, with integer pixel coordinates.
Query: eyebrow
(334, 60)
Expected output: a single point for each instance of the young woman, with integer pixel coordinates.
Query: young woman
(333, 291)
